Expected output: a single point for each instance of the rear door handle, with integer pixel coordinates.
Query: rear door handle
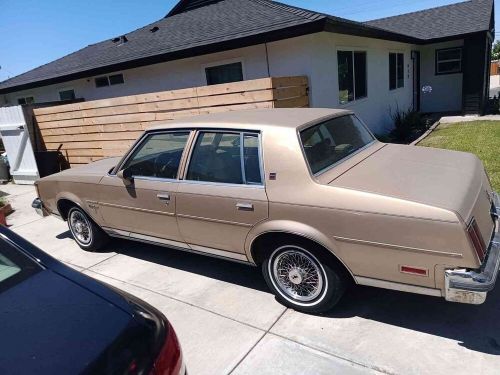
(244, 206)
(165, 198)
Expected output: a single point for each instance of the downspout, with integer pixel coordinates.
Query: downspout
(267, 61)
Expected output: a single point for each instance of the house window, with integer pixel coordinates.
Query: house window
(26, 100)
(101, 81)
(224, 73)
(67, 95)
(448, 61)
(396, 70)
(114, 79)
(352, 75)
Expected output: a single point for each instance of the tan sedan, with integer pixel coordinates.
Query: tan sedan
(309, 195)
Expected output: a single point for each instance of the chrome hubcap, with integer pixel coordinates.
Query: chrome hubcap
(80, 227)
(298, 275)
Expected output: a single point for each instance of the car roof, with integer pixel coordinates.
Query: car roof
(256, 118)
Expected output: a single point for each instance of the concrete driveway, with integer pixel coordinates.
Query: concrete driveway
(228, 322)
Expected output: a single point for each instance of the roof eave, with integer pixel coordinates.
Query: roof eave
(271, 36)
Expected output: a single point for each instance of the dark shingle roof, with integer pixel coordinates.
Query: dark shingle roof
(441, 22)
(194, 27)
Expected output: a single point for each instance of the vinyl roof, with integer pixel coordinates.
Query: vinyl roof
(196, 27)
(256, 118)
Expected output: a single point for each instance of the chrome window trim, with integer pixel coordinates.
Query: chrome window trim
(301, 129)
(242, 133)
(140, 140)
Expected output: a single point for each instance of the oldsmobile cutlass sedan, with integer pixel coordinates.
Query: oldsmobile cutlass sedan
(309, 195)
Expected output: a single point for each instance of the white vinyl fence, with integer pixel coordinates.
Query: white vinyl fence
(15, 137)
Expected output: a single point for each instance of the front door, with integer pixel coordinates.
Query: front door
(222, 195)
(145, 209)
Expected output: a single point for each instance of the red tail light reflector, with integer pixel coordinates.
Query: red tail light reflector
(476, 239)
(414, 270)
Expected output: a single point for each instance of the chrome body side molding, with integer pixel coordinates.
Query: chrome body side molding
(223, 254)
(397, 286)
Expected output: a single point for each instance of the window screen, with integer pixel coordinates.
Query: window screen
(396, 70)
(449, 61)
(67, 95)
(224, 73)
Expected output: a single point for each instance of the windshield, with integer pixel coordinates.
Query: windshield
(331, 141)
(14, 266)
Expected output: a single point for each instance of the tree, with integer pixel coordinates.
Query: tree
(495, 51)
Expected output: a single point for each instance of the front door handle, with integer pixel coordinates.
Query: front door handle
(165, 198)
(244, 206)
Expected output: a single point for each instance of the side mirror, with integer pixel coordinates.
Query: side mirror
(125, 176)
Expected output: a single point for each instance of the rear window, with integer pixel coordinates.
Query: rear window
(329, 142)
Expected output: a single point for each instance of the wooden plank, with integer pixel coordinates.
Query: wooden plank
(233, 87)
(300, 102)
(65, 138)
(278, 82)
(290, 92)
(237, 98)
(118, 101)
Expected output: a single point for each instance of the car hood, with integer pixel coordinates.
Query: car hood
(90, 173)
(440, 178)
(51, 325)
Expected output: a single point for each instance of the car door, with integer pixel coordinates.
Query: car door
(145, 208)
(222, 195)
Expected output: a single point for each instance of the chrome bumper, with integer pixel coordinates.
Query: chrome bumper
(39, 208)
(472, 286)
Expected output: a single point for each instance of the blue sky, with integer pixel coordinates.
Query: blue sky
(35, 32)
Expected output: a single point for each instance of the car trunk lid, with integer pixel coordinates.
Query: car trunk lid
(451, 180)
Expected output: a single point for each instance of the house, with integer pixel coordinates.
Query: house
(432, 60)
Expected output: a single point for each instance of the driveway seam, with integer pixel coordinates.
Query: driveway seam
(374, 368)
(103, 260)
(22, 225)
(258, 341)
(180, 300)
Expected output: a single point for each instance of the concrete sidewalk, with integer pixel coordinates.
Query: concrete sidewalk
(228, 322)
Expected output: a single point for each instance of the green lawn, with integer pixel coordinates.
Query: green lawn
(479, 137)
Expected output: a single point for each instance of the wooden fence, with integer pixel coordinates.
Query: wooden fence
(89, 131)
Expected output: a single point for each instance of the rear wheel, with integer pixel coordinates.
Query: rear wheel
(87, 234)
(303, 278)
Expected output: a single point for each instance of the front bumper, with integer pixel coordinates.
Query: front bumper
(39, 208)
(472, 286)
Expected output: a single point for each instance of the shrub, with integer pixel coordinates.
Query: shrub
(3, 202)
(407, 124)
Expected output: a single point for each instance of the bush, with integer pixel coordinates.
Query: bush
(407, 126)
(3, 202)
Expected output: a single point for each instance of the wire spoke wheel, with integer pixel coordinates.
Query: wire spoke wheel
(297, 274)
(80, 227)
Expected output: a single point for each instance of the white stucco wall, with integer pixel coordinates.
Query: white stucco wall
(315, 55)
(312, 55)
(446, 92)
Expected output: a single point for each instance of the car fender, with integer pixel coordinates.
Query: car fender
(291, 227)
(76, 200)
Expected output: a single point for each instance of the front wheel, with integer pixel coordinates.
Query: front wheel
(302, 278)
(87, 234)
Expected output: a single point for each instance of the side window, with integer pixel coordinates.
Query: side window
(158, 155)
(251, 157)
(220, 157)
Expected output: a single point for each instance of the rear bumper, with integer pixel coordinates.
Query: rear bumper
(472, 286)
